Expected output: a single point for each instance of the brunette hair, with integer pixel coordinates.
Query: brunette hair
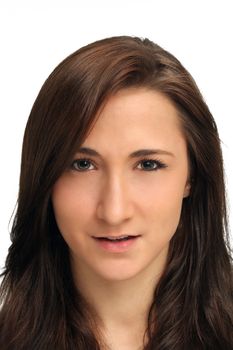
(41, 308)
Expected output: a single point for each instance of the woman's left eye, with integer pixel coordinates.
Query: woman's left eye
(152, 165)
(83, 164)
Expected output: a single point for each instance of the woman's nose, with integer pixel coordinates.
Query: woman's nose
(115, 205)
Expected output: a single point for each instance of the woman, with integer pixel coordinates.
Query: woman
(120, 238)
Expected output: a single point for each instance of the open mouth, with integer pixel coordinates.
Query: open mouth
(114, 239)
(117, 244)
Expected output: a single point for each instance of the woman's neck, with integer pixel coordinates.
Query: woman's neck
(122, 306)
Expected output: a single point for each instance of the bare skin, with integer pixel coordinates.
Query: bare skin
(117, 194)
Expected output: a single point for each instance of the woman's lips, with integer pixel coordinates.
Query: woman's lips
(116, 246)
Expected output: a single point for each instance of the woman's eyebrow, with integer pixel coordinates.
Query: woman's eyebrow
(139, 153)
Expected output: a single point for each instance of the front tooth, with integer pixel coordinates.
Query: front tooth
(115, 238)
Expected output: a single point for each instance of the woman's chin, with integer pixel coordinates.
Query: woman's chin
(118, 273)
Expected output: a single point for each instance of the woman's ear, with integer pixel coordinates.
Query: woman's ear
(187, 189)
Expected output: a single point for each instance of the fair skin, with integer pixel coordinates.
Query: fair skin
(114, 194)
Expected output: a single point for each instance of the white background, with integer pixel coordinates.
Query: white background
(37, 35)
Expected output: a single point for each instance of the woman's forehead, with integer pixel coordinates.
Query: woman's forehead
(136, 118)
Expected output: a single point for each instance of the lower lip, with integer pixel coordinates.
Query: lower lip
(117, 247)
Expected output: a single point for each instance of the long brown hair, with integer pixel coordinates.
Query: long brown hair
(41, 308)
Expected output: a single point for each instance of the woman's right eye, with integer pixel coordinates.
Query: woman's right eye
(81, 164)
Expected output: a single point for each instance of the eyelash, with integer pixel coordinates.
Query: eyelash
(159, 164)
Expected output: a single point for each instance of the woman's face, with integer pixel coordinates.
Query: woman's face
(119, 193)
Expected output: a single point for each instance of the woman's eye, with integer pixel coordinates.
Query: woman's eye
(151, 165)
(81, 164)
(145, 165)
